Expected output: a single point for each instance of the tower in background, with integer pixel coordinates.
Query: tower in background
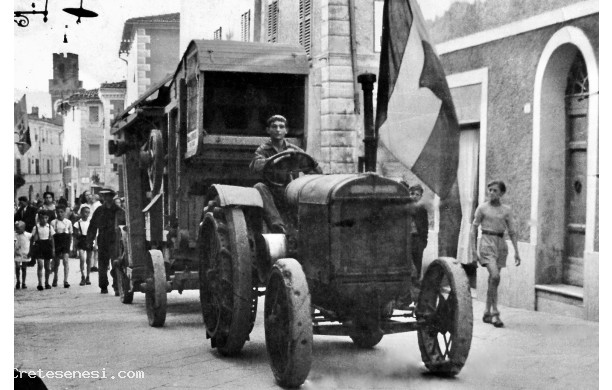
(65, 81)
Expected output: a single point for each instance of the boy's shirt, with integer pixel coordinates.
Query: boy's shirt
(63, 226)
(494, 218)
(43, 232)
(22, 245)
(81, 226)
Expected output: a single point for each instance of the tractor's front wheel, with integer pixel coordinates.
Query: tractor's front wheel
(288, 323)
(444, 311)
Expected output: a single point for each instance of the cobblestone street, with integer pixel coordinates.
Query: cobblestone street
(78, 329)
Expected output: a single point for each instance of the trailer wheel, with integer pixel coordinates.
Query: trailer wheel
(123, 284)
(444, 311)
(126, 295)
(288, 323)
(226, 279)
(155, 297)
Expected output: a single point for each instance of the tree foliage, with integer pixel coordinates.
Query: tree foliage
(463, 18)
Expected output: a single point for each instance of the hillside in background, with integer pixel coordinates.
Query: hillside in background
(463, 19)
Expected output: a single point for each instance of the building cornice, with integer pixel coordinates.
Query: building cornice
(546, 19)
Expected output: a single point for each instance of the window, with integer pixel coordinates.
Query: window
(116, 108)
(192, 104)
(29, 166)
(273, 21)
(18, 166)
(218, 34)
(93, 114)
(61, 162)
(245, 26)
(378, 21)
(37, 167)
(304, 17)
(94, 155)
(48, 166)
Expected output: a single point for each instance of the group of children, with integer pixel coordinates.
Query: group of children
(49, 244)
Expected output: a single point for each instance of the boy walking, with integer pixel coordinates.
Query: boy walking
(63, 234)
(42, 238)
(22, 252)
(80, 232)
(494, 219)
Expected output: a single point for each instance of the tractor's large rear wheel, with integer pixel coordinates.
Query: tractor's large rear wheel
(226, 279)
(444, 311)
(288, 323)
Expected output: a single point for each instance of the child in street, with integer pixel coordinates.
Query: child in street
(80, 232)
(494, 218)
(22, 253)
(42, 239)
(63, 234)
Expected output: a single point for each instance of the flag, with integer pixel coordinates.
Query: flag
(22, 127)
(415, 115)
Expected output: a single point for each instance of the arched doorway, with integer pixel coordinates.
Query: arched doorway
(565, 154)
(576, 145)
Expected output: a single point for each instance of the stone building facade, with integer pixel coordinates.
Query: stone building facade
(42, 165)
(149, 46)
(65, 81)
(87, 118)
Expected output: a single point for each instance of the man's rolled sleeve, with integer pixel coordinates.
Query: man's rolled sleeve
(258, 161)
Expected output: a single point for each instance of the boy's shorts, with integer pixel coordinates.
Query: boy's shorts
(62, 243)
(82, 242)
(493, 249)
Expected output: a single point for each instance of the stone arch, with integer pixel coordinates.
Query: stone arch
(547, 203)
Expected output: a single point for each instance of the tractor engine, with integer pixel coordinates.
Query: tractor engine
(353, 240)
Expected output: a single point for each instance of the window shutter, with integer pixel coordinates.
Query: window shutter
(273, 21)
(245, 26)
(305, 26)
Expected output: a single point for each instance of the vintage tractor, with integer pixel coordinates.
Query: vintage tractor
(338, 269)
(194, 220)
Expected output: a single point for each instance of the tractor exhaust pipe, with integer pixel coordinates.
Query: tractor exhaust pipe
(370, 139)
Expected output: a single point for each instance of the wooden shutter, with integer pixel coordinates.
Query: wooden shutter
(245, 26)
(273, 21)
(305, 29)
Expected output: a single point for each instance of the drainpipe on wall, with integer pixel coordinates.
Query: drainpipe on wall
(351, 9)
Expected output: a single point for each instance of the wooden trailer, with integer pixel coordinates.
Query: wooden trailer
(196, 127)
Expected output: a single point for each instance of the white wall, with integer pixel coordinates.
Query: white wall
(72, 133)
(200, 19)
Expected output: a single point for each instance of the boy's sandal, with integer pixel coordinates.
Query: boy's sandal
(497, 322)
(486, 318)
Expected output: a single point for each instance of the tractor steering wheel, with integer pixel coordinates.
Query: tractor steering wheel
(286, 166)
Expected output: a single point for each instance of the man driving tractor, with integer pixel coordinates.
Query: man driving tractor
(265, 158)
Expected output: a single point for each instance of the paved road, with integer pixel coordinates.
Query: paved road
(78, 329)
